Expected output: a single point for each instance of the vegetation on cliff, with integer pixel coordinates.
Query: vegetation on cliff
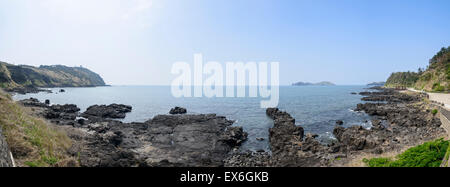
(436, 78)
(14, 76)
(32, 141)
(405, 79)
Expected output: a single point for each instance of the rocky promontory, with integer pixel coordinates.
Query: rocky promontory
(24, 79)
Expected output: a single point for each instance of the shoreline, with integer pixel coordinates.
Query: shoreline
(110, 138)
(398, 120)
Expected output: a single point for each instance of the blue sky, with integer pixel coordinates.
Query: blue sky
(137, 41)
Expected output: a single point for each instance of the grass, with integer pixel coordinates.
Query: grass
(429, 154)
(32, 141)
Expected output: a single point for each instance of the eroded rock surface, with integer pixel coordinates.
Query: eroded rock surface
(32, 102)
(164, 141)
(113, 111)
(399, 120)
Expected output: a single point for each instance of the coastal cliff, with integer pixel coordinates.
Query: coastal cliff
(436, 78)
(14, 77)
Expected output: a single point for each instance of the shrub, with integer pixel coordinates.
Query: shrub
(434, 111)
(429, 154)
(438, 88)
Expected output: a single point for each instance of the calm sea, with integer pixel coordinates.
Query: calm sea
(315, 108)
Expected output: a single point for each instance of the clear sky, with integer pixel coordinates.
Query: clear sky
(135, 42)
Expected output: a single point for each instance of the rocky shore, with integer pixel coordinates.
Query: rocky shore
(26, 90)
(180, 139)
(164, 141)
(399, 120)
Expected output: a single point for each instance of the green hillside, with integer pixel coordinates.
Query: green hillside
(13, 76)
(436, 78)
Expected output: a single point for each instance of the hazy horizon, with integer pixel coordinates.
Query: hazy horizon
(135, 42)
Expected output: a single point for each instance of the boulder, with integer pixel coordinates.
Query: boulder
(234, 136)
(113, 111)
(177, 110)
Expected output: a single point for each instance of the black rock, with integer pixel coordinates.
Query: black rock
(202, 140)
(117, 138)
(234, 136)
(81, 121)
(68, 108)
(62, 112)
(32, 102)
(178, 110)
(339, 122)
(114, 111)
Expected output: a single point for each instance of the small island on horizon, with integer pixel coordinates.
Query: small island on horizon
(323, 83)
(381, 83)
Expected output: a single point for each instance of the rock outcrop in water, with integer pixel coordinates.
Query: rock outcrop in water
(177, 110)
(289, 145)
(113, 111)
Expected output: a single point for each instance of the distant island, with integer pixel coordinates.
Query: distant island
(324, 83)
(376, 84)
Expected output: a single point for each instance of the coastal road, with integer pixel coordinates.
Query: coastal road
(438, 97)
(441, 98)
